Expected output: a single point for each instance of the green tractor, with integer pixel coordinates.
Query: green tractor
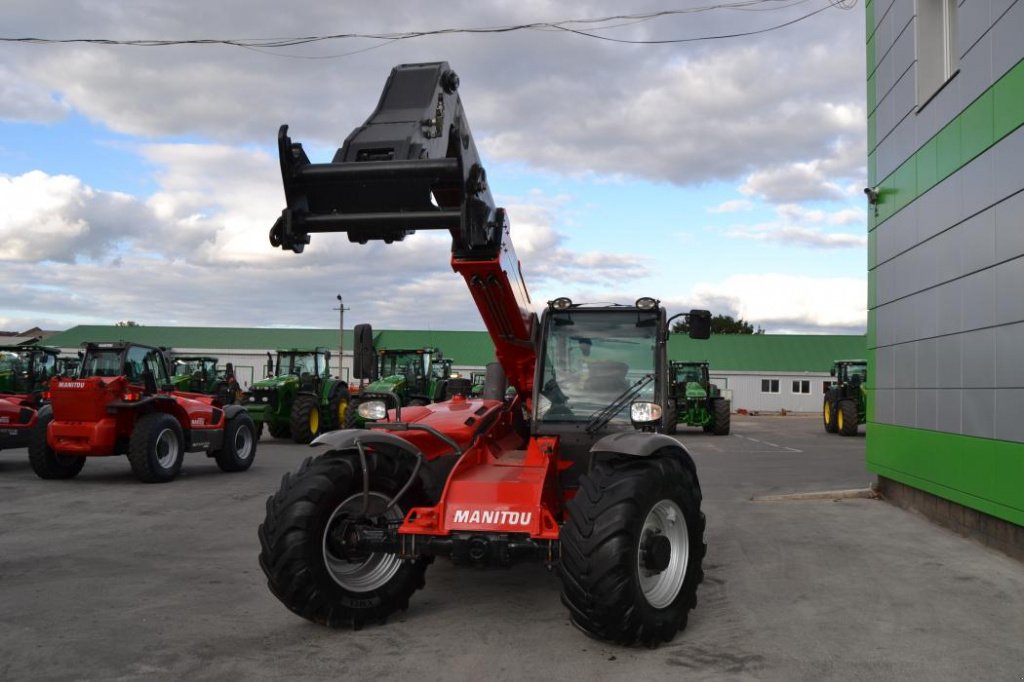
(695, 401)
(405, 377)
(200, 374)
(846, 401)
(25, 371)
(299, 397)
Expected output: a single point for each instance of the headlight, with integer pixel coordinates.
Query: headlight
(373, 410)
(643, 412)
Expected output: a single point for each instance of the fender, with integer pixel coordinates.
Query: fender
(231, 410)
(433, 475)
(645, 444)
(346, 439)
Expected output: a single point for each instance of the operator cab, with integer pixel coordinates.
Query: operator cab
(603, 367)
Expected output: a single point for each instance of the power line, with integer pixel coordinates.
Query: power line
(265, 45)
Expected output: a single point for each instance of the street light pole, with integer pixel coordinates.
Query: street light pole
(341, 332)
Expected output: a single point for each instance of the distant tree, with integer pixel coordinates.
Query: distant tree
(127, 323)
(721, 324)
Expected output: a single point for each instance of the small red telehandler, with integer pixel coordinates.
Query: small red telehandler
(122, 403)
(569, 468)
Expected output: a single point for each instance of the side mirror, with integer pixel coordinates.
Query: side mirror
(832, 372)
(364, 360)
(700, 324)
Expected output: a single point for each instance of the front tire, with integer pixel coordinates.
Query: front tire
(305, 567)
(846, 418)
(722, 409)
(156, 448)
(828, 416)
(45, 462)
(620, 583)
(239, 449)
(338, 410)
(305, 419)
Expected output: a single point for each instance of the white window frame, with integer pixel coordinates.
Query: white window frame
(802, 386)
(773, 385)
(936, 49)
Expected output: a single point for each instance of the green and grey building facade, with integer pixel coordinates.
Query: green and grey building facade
(945, 94)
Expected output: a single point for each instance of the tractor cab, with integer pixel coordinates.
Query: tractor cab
(690, 380)
(200, 374)
(415, 375)
(852, 372)
(305, 365)
(25, 371)
(193, 372)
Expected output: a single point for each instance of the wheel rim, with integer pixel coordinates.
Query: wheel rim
(314, 420)
(378, 568)
(342, 412)
(167, 448)
(660, 588)
(243, 443)
(826, 414)
(839, 419)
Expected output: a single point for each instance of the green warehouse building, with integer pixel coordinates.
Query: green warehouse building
(945, 93)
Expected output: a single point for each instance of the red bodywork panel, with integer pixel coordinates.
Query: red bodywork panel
(14, 428)
(502, 483)
(91, 415)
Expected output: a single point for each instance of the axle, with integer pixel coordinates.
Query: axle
(354, 540)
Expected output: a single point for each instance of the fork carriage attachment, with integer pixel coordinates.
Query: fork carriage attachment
(412, 166)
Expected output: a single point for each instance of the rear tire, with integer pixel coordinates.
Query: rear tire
(45, 462)
(722, 417)
(846, 421)
(156, 448)
(828, 416)
(307, 572)
(305, 421)
(611, 591)
(239, 449)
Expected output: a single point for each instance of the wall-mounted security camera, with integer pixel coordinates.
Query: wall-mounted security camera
(872, 194)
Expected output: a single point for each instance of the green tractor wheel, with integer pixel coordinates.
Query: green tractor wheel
(337, 411)
(722, 410)
(846, 418)
(305, 421)
(828, 416)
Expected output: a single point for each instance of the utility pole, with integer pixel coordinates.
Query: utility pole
(341, 332)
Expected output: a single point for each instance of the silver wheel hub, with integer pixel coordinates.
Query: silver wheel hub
(243, 443)
(663, 554)
(167, 448)
(369, 571)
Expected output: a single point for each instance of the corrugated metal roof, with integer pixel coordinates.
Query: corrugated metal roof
(727, 352)
(467, 348)
(768, 352)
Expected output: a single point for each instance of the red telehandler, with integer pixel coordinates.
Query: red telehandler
(569, 468)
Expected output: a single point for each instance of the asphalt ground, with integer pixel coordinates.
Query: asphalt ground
(105, 578)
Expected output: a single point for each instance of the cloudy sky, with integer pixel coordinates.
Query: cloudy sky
(139, 183)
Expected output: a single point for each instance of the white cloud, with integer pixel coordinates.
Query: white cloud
(732, 206)
(800, 236)
(782, 303)
(24, 99)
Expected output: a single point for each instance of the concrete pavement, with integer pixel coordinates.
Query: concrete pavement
(102, 577)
